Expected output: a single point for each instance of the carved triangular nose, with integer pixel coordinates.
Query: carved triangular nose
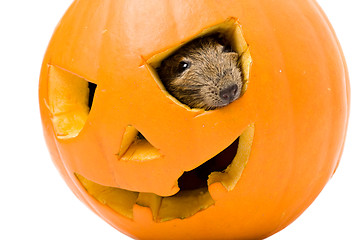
(229, 93)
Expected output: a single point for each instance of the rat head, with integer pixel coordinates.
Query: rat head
(204, 73)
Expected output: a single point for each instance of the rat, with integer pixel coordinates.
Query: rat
(204, 73)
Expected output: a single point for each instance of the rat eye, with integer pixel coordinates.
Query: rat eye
(182, 66)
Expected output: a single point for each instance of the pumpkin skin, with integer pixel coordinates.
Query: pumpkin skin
(297, 98)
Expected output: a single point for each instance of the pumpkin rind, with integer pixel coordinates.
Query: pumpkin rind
(297, 98)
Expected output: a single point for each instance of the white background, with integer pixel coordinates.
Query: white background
(35, 203)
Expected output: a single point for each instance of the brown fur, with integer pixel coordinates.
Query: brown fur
(213, 67)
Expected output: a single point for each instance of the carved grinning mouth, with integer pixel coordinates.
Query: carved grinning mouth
(194, 196)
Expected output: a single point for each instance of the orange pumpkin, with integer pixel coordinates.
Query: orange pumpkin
(282, 139)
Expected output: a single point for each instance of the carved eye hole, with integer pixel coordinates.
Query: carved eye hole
(183, 66)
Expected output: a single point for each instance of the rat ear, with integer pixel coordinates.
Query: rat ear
(228, 49)
(233, 55)
(223, 42)
(221, 39)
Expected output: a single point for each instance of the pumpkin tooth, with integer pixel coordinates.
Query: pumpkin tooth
(151, 201)
(184, 204)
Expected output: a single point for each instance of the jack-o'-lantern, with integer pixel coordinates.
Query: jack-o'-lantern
(133, 153)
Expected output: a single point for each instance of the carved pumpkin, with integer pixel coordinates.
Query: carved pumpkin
(133, 153)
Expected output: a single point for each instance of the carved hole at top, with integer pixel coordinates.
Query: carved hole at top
(70, 101)
(191, 96)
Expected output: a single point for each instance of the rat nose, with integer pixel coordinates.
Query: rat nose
(229, 93)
